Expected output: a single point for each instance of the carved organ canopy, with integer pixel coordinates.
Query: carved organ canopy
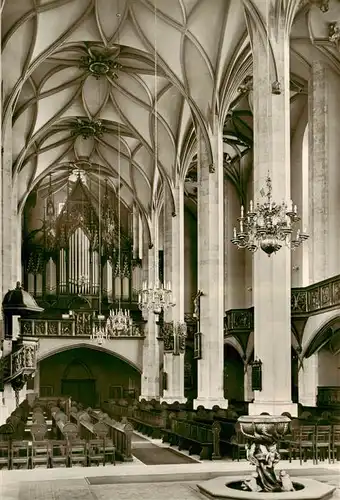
(84, 244)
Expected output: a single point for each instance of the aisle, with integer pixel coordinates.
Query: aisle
(152, 454)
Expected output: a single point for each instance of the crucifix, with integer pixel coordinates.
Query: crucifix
(197, 305)
(198, 335)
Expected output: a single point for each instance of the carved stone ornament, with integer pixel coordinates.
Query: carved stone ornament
(211, 168)
(100, 64)
(174, 337)
(276, 88)
(246, 86)
(181, 330)
(87, 128)
(168, 336)
(334, 33)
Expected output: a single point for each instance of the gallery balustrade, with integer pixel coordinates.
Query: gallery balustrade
(305, 302)
(69, 328)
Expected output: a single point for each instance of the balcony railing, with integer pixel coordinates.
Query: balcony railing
(317, 297)
(68, 328)
(329, 396)
(239, 320)
(307, 301)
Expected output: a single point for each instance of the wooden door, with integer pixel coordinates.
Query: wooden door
(81, 390)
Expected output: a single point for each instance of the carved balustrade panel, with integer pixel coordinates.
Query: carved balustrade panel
(40, 327)
(299, 301)
(66, 329)
(27, 327)
(83, 324)
(52, 328)
(24, 360)
(317, 297)
(70, 327)
(239, 320)
(329, 396)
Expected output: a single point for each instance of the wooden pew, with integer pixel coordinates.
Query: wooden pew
(119, 432)
(148, 422)
(100, 445)
(194, 436)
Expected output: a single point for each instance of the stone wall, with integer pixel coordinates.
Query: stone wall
(83, 364)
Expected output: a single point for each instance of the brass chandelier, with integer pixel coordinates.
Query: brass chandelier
(119, 322)
(155, 298)
(268, 226)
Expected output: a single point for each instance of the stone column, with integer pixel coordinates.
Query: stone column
(151, 355)
(211, 271)
(324, 151)
(136, 270)
(248, 391)
(16, 235)
(6, 250)
(135, 231)
(234, 259)
(174, 272)
(308, 381)
(37, 381)
(272, 275)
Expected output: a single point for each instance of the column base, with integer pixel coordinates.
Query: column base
(308, 401)
(173, 399)
(209, 403)
(148, 397)
(273, 408)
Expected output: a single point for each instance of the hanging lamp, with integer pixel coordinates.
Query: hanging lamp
(119, 322)
(155, 296)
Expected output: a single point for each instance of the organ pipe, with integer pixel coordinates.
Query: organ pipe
(77, 258)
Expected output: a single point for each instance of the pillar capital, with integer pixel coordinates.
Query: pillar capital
(270, 16)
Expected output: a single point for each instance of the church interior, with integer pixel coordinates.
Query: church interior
(169, 251)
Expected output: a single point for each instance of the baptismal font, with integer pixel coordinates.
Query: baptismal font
(263, 433)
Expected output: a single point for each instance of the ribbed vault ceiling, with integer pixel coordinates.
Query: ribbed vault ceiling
(171, 68)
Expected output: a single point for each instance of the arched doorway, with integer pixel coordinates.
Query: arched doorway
(89, 376)
(78, 382)
(321, 363)
(295, 375)
(233, 374)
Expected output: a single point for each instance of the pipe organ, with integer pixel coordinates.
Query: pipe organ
(81, 252)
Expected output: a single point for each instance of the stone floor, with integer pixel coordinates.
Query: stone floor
(131, 481)
(138, 481)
